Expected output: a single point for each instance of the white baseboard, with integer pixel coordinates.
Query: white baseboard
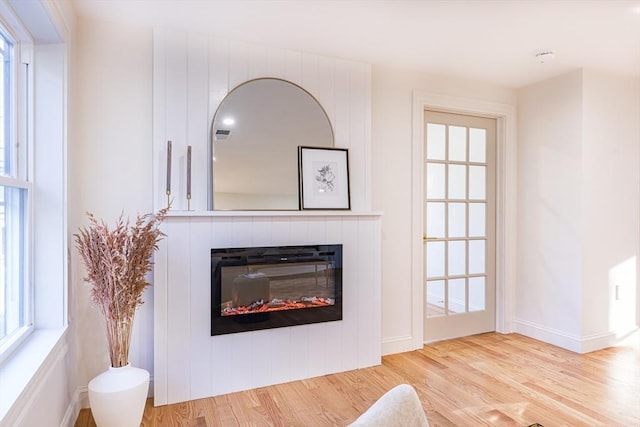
(398, 345)
(575, 343)
(548, 335)
(72, 412)
(599, 341)
(83, 397)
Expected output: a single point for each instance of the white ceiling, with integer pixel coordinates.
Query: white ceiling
(494, 41)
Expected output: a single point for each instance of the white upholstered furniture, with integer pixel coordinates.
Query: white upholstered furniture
(399, 407)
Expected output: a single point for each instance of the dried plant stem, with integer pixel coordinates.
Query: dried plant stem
(117, 261)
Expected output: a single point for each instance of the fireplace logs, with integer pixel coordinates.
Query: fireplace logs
(261, 306)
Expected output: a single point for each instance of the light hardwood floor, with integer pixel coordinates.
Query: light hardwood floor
(489, 379)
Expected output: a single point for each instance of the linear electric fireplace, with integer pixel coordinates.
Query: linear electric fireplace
(274, 286)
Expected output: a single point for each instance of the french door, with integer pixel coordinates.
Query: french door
(459, 225)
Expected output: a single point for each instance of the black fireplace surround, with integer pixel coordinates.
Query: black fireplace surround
(274, 286)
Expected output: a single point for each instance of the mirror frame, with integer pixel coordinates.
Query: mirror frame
(212, 140)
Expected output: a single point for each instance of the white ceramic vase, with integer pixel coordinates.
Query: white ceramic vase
(117, 396)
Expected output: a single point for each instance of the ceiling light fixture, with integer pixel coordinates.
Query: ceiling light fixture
(545, 56)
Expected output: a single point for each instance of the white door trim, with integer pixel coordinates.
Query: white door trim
(505, 115)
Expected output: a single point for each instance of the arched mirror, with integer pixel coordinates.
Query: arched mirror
(256, 132)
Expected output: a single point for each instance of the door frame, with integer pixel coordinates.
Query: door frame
(505, 115)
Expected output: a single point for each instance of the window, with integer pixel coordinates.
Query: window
(33, 208)
(16, 319)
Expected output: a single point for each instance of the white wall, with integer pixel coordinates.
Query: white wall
(550, 220)
(578, 202)
(111, 164)
(611, 202)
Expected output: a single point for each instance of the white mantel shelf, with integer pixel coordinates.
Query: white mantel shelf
(307, 213)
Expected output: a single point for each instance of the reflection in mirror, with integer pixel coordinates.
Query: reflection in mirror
(255, 137)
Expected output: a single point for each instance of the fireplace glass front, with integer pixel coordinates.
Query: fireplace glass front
(269, 287)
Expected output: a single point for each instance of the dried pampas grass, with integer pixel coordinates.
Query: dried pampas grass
(117, 261)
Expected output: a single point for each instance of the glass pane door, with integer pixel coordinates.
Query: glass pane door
(459, 225)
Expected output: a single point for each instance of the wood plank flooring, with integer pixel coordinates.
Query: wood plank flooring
(489, 379)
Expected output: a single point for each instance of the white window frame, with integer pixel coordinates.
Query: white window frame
(20, 109)
(31, 365)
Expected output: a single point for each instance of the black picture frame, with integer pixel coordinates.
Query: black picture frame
(323, 178)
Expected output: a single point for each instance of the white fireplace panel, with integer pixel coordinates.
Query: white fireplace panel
(192, 74)
(191, 364)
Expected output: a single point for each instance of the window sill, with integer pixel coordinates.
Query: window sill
(19, 370)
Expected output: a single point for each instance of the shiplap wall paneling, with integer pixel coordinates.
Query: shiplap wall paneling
(293, 67)
(326, 87)
(160, 313)
(176, 90)
(351, 295)
(198, 134)
(310, 74)
(180, 114)
(218, 89)
(263, 354)
(179, 309)
(200, 295)
(360, 132)
(263, 235)
(221, 351)
(238, 64)
(370, 291)
(317, 230)
(198, 365)
(188, 67)
(334, 330)
(342, 105)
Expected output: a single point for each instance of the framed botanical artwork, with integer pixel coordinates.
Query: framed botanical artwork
(323, 178)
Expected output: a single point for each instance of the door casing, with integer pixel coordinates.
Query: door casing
(505, 203)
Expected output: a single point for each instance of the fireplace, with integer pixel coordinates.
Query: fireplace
(274, 286)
